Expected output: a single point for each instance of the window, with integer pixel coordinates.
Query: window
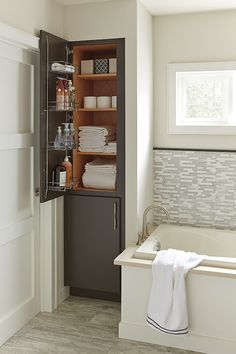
(201, 98)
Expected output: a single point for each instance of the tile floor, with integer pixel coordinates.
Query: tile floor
(79, 326)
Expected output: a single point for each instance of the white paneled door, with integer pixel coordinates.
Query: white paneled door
(19, 206)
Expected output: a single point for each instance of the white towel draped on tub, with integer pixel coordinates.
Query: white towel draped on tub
(167, 310)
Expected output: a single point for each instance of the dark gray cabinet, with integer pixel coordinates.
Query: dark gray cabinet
(92, 229)
(94, 218)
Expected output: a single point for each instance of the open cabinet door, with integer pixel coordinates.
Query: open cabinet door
(52, 49)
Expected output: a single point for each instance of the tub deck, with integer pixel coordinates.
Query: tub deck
(129, 258)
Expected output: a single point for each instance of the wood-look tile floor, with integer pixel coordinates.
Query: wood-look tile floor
(79, 326)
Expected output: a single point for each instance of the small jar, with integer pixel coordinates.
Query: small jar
(103, 102)
(90, 102)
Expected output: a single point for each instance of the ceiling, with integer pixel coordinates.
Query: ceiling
(162, 7)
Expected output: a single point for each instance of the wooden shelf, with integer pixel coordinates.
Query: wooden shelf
(97, 110)
(97, 153)
(96, 190)
(98, 76)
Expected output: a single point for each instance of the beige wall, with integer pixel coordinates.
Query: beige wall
(32, 15)
(189, 38)
(116, 19)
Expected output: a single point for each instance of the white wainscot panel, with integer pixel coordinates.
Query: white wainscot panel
(15, 185)
(16, 274)
(15, 96)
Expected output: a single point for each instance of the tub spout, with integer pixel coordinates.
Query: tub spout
(145, 233)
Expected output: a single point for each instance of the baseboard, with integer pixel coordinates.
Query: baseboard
(17, 318)
(63, 294)
(95, 294)
(202, 344)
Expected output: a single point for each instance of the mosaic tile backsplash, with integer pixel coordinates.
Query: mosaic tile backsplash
(197, 187)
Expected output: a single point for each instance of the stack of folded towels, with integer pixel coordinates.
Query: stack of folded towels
(100, 173)
(111, 147)
(95, 138)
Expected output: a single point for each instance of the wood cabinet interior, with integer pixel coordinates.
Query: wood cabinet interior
(92, 85)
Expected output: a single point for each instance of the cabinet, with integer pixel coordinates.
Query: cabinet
(94, 216)
(93, 241)
(54, 49)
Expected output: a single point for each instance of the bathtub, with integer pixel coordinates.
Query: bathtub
(218, 246)
(211, 289)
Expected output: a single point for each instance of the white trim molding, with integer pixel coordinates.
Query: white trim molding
(20, 232)
(18, 38)
(181, 73)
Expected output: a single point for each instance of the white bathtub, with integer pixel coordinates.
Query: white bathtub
(218, 246)
(211, 289)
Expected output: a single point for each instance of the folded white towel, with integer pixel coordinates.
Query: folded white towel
(89, 139)
(101, 163)
(101, 166)
(99, 130)
(112, 143)
(99, 180)
(167, 310)
(101, 170)
(110, 149)
(89, 149)
(88, 143)
(93, 145)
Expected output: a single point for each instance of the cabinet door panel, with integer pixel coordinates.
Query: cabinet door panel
(92, 241)
(52, 48)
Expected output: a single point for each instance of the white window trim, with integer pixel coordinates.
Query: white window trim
(172, 69)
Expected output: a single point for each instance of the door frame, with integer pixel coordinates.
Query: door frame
(47, 213)
(15, 40)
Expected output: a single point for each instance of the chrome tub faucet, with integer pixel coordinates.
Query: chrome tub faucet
(145, 232)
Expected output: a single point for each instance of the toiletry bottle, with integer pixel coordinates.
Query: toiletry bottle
(66, 94)
(66, 135)
(59, 176)
(71, 95)
(71, 136)
(69, 90)
(68, 166)
(59, 142)
(60, 94)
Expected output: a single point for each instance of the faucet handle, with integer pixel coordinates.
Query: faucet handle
(138, 243)
(148, 228)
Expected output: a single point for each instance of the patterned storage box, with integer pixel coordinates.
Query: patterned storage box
(101, 66)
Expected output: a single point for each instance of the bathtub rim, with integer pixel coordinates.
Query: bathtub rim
(145, 251)
(127, 259)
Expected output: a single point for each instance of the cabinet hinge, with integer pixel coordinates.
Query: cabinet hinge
(69, 51)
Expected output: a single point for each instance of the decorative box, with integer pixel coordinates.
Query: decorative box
(112, 65)
(87, 66)
(101, 66)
